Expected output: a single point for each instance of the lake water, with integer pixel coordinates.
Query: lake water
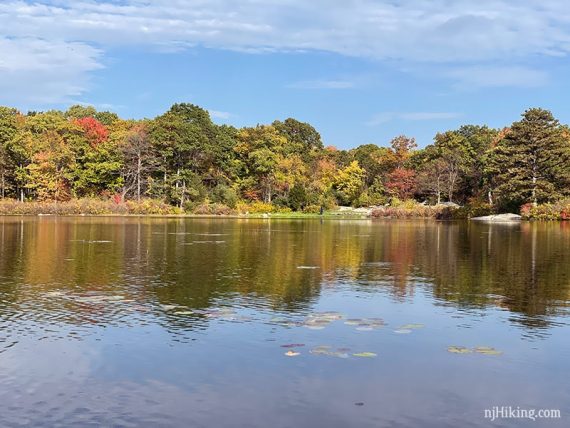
(187, 322)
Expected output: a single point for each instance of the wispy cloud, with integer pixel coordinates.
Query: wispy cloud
(222, 115)
(385, 117)
(322, 84)
(62, 41)
(36, 71)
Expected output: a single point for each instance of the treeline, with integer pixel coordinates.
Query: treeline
(185, 160)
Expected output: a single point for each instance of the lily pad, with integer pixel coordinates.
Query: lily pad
(316, 323)
(459, 350)
(411, 326)
(328, 316)
(487, 350)
(365, 354)
(292, 353)
(338, 354)
(321, 350)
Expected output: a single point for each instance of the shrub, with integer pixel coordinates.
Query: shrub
(213, 209)
(90, 206)
(411, 209)
(556, 211)
(254, 208)
(226, 195)
(312, 209)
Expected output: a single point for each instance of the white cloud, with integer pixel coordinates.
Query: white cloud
(222, 115)
(438, 30)
(35, 71)
(452, 33)
(385, 117)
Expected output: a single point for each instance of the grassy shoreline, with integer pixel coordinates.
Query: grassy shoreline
(152, 208)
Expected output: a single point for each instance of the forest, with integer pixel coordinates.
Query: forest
(183, 162)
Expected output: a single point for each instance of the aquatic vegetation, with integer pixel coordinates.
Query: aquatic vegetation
(321, 350)
(411, 326)
(328, 351)
(459, 350)
(365, 355)
(486, 350)
(319, 320)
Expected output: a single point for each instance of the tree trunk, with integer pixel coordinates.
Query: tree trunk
(534, 200)
(139, 168)
(183, 194)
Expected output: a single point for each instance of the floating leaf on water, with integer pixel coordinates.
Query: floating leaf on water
(411, 326)
(402, 331)
(353, 321)
(327, 316)
(314, 327)
(487, 350)
(365, 354)
(293, 345)
(338, 354)
(459, 350)
(292, 353)
(321, 350)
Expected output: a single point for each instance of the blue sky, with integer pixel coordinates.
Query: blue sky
(360, 71)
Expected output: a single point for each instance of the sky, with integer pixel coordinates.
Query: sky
(360, 71)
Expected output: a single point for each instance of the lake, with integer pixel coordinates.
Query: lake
(110, 321)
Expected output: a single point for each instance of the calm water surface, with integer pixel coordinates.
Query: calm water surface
(181, 322)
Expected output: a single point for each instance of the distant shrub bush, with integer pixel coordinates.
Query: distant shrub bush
(213, 209)
(411, 209)
(312, 209)
(89, 206)
(556, 211)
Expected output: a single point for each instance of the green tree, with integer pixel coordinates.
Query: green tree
(531, 164)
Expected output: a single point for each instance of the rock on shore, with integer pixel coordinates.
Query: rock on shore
(499, 218)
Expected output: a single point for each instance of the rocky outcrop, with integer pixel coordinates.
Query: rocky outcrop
(499, 218)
